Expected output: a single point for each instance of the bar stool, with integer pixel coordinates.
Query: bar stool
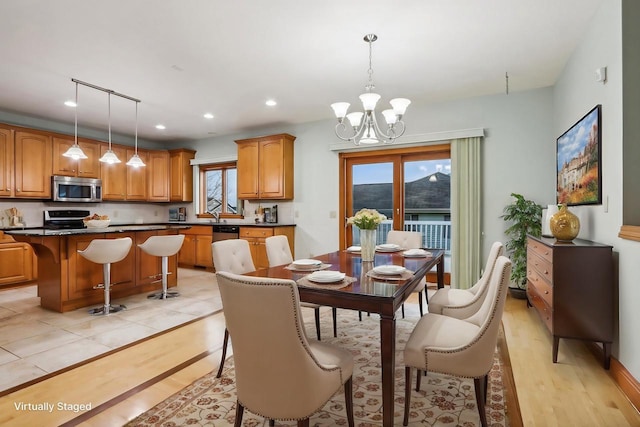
(163, 246)
(106, 252)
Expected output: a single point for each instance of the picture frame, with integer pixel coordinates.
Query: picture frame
(579, 161)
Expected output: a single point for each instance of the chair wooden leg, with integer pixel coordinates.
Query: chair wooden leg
(224, 352)
(272, 423)
(348, 400)
(334, 313)
(419, 379)
(239, 412)
(303, 423)
(317, 313)
(480, 401)
(420, 301)
(407, 393)
(486, 387)
(403, 310)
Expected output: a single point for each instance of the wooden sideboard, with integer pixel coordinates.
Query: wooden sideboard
(571, 286)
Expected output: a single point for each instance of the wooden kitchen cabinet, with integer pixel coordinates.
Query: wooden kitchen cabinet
(17, 261)
(158, 176)
(196, 249)
(114, 176)
(571, 286)
(6, 162)
(32, 173)
(66, 166)
(136, 176)
(265, 167)
(181, 173)
(256, 237)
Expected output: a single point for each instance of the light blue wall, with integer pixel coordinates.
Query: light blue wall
(575, 93)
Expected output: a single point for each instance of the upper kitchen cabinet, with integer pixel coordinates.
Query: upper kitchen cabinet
(114, 176)
(181, 185)
(6, 162)
(158, 176)
(66, 166)
(32, 173)
(136, 176)
(265, 167)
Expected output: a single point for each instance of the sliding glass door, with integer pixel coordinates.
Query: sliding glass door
(410, 186)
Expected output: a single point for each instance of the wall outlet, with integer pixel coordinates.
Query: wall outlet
(115, 214)
(155, 213)
(332, 214)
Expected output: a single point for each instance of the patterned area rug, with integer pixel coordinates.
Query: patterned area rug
(441, 401)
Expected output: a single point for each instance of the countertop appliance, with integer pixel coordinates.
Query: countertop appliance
(73, 189)
(177, 214)
(64, 219)
(225, 232)
(271, 214)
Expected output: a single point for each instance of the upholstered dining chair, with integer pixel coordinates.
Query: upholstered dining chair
(410, 240)
(233, 256)
(459, 347)
(279, 253)
(280, 375)
(462, 303)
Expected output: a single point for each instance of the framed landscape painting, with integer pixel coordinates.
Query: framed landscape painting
(578, 160)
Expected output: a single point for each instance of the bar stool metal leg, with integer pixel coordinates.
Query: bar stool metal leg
(107, 307)
(164, 293)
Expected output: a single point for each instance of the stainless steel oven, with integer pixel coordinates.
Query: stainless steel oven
(73, 189)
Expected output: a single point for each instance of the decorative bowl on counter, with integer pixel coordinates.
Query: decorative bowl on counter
(97, 223)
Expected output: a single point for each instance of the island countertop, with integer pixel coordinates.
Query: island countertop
(42, 232)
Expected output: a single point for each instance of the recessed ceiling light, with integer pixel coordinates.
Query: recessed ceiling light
(70, 103)
(208, 116)
(271, 102)
(161, 127)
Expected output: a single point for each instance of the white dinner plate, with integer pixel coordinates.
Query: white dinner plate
(416, 253)
(354, 249)
(388, 247)
(326, 276)
(307, 263)
(389, 270)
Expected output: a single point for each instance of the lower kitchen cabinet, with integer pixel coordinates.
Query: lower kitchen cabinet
(196, 249)
(256, 236)
(18, 263)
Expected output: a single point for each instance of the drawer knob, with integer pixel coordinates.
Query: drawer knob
(546, 292)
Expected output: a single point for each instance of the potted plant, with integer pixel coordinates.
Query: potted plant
(525, 217)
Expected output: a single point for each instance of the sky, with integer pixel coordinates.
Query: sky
(383, 172)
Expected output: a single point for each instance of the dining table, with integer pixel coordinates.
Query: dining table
(364, 289)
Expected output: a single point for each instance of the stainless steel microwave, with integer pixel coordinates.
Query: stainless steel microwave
(72, 189)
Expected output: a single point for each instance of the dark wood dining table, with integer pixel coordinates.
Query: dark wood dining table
(372, 295)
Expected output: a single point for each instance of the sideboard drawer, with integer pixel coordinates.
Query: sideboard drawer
(541, 265)
(545, 252)
(542, 287)
(545, 312)
(256, 232)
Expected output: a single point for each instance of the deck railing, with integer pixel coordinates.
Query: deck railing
(435, 234)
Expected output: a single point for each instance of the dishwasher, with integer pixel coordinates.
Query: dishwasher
(225, 232)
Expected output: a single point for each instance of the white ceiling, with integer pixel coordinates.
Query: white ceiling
(183, 58)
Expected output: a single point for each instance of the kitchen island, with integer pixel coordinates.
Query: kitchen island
(67, 281)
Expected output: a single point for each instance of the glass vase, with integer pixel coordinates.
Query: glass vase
(367, 244)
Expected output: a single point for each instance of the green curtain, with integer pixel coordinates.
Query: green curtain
(466, 200)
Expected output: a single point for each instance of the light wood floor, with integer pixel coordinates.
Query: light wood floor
(576, 391)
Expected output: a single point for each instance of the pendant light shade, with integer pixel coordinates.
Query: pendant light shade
(75, 152)
(135, 160)
(109, 156)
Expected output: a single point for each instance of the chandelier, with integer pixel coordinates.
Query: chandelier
(365, 128)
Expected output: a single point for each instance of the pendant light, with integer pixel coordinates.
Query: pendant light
(109, 156)
(135, 160)
(75, 152)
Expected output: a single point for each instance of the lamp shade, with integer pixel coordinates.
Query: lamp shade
(369, 101)
(355, 118)
(400, 105)
(75, 152)
(340, 109)
(135, 161)
(390, 116)
(109, 157)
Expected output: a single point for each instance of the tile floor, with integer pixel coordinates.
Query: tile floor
(35, 342)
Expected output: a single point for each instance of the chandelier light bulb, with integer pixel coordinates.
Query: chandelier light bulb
(365, 126)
